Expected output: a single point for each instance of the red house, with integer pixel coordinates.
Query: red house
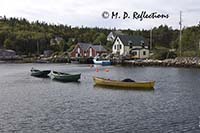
(87, 50)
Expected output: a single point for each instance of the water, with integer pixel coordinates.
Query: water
(29, 104)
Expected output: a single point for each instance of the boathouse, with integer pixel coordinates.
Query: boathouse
(87, 50)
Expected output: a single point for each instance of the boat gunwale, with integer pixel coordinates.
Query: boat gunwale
(65, 77)
(37, 70)
(117, 81)
(60, 74)
(40, 73)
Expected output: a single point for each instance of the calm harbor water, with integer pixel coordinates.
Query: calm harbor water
(29, 104)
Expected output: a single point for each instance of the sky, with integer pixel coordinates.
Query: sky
(88, 13)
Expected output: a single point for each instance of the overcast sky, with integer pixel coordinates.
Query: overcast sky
(89, 12)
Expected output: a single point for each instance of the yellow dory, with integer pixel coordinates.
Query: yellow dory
(116, 83)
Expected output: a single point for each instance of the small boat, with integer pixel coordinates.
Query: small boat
(40, 73)
(101, 62)
(124, 83)
(65, 77)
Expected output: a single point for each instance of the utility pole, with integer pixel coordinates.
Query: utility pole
(199, 41)
(199, 44)
(151, 38)
(180, 43)
(198, 50)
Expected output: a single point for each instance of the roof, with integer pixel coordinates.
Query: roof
(117, 32)
(84, 46)
(112, 35)
(133, 40)
(7, 50)
(99, 48)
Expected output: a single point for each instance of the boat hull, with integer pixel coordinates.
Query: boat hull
(103, 62)
(64, 77)
(106, 63)
(40, 74)
(115, 83)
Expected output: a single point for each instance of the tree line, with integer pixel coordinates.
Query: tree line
(24, 37)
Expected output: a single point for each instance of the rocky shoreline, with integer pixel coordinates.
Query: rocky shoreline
(177, 62)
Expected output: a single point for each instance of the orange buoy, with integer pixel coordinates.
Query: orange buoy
(106, 70)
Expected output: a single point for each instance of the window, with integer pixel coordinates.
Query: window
(90, 52)
(78, 50)
(118, 46)
(134, 53)
(144, 52)
(142, 44)
(115, 47)
(78, 55)
(130, 43)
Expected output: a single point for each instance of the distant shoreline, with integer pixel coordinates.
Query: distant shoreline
(185, 62)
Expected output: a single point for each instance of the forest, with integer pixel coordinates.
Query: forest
(24, 37)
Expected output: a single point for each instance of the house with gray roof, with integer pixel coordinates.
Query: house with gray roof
(87, 50)
(132, 46)
(7, 54)
(113, 34)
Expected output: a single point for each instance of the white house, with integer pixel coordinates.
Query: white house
(132, 46)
